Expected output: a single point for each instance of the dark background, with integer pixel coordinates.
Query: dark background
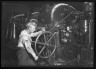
(8, 55)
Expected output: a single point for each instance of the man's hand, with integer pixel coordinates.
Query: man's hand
(36, 58)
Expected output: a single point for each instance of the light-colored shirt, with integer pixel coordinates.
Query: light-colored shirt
(23, 37)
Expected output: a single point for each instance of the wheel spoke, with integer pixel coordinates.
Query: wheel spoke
(45, 38)
(42, 43)
(50, 38)
(42, 50)
(49, 45)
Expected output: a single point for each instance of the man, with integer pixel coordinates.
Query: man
(25, 44)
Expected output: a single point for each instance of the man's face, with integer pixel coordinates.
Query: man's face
(32, 28)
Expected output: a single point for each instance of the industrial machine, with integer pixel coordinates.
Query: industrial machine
(69, 30)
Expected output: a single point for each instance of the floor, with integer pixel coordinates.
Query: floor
(9, 58)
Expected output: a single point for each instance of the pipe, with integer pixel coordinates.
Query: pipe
(14, 32)
(18, 15)
(90, 23)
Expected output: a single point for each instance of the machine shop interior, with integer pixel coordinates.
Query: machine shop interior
(69, 30)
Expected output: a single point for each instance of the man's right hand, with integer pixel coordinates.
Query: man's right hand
(36, 58)
(40, 32)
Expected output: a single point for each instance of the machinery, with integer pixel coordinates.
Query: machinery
(68, 31)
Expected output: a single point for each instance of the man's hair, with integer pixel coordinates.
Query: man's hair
(31, 23)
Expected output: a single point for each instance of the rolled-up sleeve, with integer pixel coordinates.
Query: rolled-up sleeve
(22, 40)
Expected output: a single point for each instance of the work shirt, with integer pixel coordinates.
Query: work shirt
(23, 37)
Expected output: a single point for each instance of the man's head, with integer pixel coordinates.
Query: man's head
(32, 24)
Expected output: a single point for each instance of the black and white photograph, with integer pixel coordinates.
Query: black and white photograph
(47, 34)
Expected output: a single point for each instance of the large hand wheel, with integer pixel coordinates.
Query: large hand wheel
(45, 44)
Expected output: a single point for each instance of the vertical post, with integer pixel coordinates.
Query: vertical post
(89, 9)
(14, 32)
(90, 31)
(85, 26)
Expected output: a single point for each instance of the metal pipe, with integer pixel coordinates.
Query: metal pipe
(11, 33)
(90, 31)
(18, 15)
(85, 26)
(14, 32)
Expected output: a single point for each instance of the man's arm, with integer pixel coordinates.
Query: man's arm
(35, 34)
(29, 49)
